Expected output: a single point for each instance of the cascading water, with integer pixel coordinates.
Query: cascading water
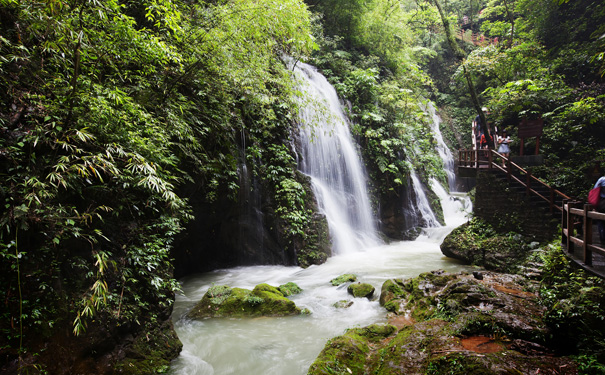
(421, 206)
(441, 147)
(330, 158)
(289, 345)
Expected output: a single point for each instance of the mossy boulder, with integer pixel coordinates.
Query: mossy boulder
(151, 353)
(289, 289)
(361, 290)
(508, 301)
(348, 277)
(479, 244)
(263, 300)
(343, 304)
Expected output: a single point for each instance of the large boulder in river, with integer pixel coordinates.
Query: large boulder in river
(477, 243)
(263, 300)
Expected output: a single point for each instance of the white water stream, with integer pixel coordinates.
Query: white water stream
(330, 158)
(289, 345)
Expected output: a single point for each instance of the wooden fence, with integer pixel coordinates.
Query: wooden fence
(576, 226)
(476, 39)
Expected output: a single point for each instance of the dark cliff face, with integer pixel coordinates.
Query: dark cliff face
(398, 217)
(247, 229)
(229, 233)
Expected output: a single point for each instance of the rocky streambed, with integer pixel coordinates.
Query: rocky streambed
(451, 323)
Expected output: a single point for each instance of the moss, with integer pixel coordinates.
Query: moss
(390, 290)
(289, 289)
(457, 364)
(393, 305)
(347, 354)
(348, 277)
(151, 352)
(361, 290)
(264, 300)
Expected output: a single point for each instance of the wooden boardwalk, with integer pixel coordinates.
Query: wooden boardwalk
(580, 237)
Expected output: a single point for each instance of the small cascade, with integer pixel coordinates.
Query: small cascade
(330, 158)
(421, 205)
(455, 205)
(442, 149)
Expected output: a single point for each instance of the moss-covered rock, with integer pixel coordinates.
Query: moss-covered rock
(477, 243)
(348, 277)
(347, 354)
(289, 289)
(263, 300)
(361, 290)
(151, 353)
(465, 325)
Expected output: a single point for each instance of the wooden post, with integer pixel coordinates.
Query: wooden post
(587, 235)
(552, 200)
(564, 222)
(521, 147)
(489, 159)
(570, 228)
(528, 183)
(537, 145)
(508, 169)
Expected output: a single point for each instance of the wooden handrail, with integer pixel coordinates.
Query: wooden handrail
(575, 214)
(532, 184)
(578, 215)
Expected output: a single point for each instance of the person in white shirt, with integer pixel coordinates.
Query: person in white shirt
(503, 141)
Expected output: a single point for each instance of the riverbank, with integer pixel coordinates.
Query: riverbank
(533, 313)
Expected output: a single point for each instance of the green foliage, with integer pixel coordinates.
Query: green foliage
(574, 302)
(108, 110)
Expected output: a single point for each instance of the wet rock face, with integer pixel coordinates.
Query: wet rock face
(263, 300)
(454, 324)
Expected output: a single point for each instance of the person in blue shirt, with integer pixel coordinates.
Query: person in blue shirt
(601, 208)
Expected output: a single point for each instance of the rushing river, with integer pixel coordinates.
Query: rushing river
(289, 345)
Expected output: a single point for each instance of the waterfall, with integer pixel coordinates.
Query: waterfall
(422, 206)
(330, 158)
(441, 147)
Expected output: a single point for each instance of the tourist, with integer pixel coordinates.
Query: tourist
(601, 208)
(481, 131)
(504, 149)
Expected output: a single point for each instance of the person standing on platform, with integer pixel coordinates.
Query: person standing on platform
(481, 130)
(504, 149)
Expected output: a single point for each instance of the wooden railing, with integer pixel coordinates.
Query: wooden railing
(474, 38)
(576, 216)
(490, 159)
(576, 226)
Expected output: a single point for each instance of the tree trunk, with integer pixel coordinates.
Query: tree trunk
(511, 16)
(460, 55)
